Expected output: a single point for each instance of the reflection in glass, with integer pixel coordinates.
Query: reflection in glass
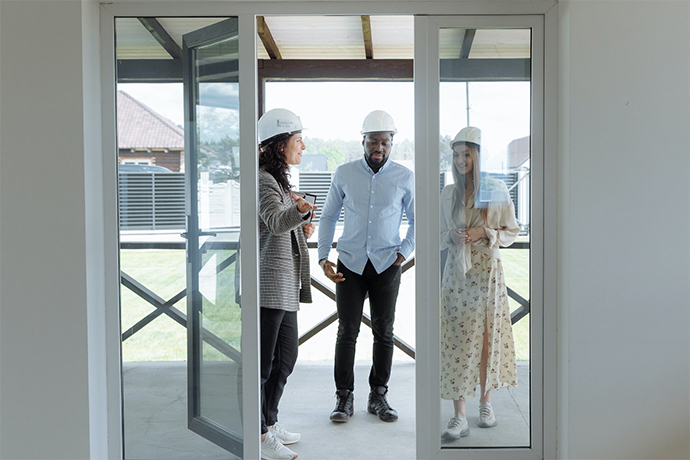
(477, 348)
(218, 211)
(485, 107)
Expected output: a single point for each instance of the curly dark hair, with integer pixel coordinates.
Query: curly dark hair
(272, 159)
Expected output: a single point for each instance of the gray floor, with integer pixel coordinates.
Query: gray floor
(156, 416)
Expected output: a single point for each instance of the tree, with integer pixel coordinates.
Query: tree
(334, 155)
(445, 152)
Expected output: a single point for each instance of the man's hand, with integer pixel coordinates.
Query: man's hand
(308, 230)
(399, 260)
(329, 269)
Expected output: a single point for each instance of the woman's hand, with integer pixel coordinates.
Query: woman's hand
(470, 235)
(302, 205)
(308, 230)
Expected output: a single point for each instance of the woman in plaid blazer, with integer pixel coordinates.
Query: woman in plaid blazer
(284, 226)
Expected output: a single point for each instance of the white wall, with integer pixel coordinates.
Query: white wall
(44, 405)
(625, 228)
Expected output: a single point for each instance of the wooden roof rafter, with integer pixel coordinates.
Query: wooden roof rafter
(366, 35)
(338, 57)
(267, 38)
(467, 41)
(162, 36)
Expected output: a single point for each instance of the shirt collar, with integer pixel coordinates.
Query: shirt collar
(368, 168)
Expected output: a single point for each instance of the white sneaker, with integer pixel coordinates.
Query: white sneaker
(486, 415)
(283, 435)
(457, 428)
(272, 449)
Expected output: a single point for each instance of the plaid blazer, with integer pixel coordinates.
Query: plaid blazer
(284, 275)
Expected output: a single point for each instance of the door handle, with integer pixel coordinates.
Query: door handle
(185, 235)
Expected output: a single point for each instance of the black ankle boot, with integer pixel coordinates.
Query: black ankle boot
(378, 404)
(344, 406)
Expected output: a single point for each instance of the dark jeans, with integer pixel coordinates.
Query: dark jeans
(279, 343)
(383, 293)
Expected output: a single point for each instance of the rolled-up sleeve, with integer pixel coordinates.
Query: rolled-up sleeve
(506, 228)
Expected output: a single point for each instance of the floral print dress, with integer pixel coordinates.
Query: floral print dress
(474, 302)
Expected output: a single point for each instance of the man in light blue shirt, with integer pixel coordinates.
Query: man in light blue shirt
(374, 193)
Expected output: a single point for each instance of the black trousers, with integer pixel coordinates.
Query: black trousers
(279, 344)
(350, 294)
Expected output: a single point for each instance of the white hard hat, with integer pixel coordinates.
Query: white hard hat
(276, 122)
(468, 134)
(378, 121)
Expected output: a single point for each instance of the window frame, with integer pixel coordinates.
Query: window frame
(427, 78)
(546, 188)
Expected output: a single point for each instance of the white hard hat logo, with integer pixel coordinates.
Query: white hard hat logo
(276, 122)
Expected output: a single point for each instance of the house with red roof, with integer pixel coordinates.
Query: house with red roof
(145, 137)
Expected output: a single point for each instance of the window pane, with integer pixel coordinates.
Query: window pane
(485, 160)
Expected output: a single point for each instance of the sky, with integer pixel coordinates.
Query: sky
(335, 110)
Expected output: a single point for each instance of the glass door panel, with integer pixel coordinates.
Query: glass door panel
(213, 276)
(479, 97)
(485, 114)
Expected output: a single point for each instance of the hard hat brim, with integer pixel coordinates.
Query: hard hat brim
(280, 137)
(395, 131)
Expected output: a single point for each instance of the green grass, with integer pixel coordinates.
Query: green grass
(516, 269)
(163, 272)
(222, 317)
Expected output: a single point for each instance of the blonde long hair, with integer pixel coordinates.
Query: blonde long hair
(459, 188)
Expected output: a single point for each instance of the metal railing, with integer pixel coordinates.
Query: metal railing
(166, 307)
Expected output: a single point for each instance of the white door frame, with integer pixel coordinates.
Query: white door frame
(246, 11)
(427, 78)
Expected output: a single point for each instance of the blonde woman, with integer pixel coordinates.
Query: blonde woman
(477, 216)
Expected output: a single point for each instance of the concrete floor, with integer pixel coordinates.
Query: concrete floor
(156, 415)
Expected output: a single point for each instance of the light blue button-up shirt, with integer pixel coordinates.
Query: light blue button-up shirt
(374, 205)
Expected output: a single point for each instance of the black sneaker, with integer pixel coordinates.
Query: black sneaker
(344, 407)
(378, 404)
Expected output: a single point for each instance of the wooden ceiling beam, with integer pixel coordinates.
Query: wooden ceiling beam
(336, 69)
(267, 38)
(391, 70)
(485, 69)
(467, 41)
(162, 36)
(366, 35)
(170, 70)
